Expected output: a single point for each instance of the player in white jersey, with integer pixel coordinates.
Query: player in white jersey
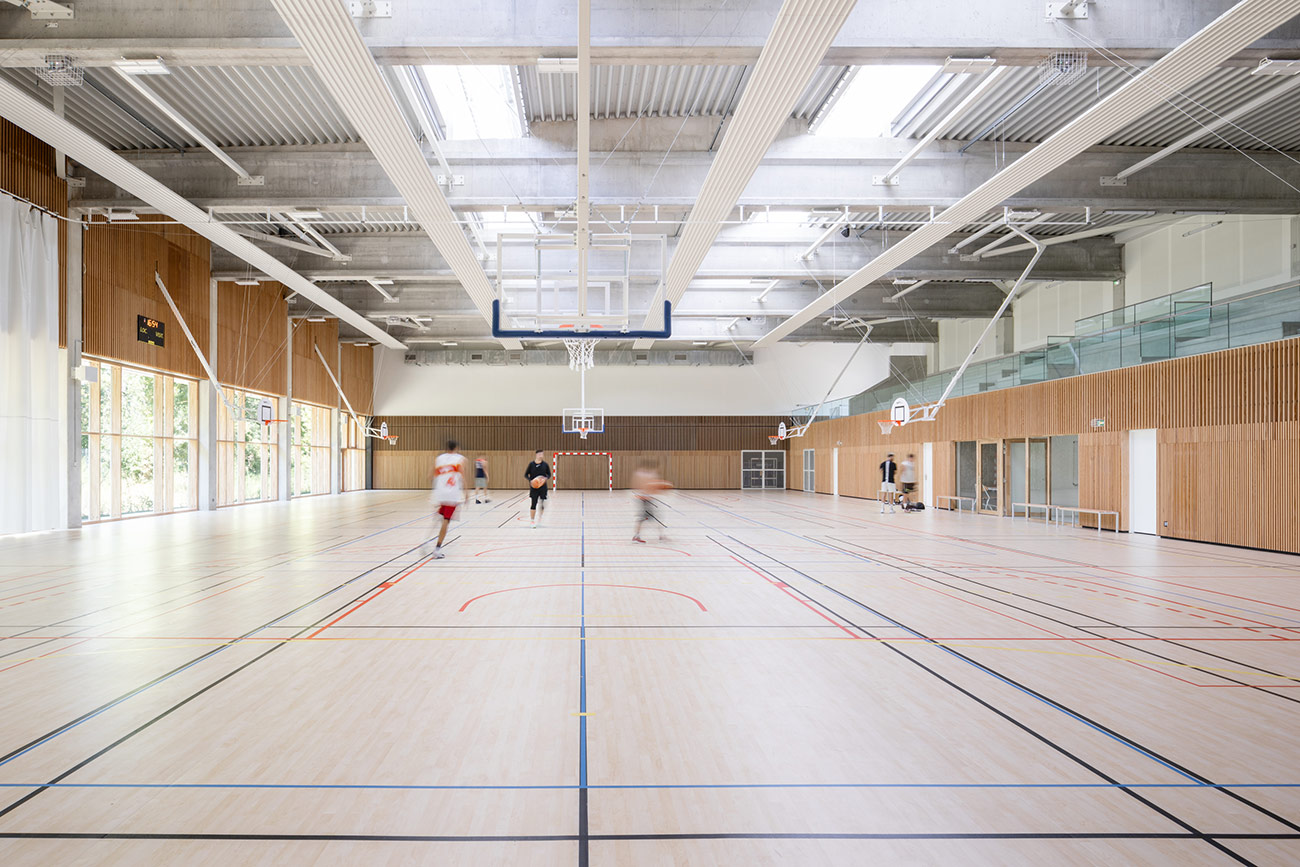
(449, 491)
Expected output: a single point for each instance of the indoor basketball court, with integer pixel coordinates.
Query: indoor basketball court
(770, 434)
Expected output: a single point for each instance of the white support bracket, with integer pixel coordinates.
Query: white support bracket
(801, 429)
(451, 180)
(1073, 10)
(45, 10)
(251, 181)
(1113, 181)
(366, 431)
(370, 8)
(203, 359)
(928, 412)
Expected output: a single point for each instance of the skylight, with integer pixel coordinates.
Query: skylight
(476, 102)
(872, 100)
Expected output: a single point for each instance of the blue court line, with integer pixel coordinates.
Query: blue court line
(582, 652)
(619, 786)
(971, 662)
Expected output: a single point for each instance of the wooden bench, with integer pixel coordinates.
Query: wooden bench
(959, 501)
(1049, 509)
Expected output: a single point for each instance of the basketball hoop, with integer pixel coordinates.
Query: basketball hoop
(773, 440)
(582, 352)
(887, 426)
(392, 440)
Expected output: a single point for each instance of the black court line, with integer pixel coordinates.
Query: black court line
(192, 696)
(15, 753)
(1027, 690)
(77, 630)
(645, 837)
(1086, 630)
(1025, 727)
(1099, 726)
(1120, 642)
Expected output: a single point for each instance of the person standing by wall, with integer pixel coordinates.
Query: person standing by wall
(888, 472)
(907, 479)
(481, 478)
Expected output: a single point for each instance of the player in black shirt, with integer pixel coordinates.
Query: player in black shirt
(888, 470)
(538, 469)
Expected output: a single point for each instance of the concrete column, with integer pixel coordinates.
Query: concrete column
(210, 404)
(72, 382)
(1295, 247)
(336, 442)
(336, 454)
(286, 476)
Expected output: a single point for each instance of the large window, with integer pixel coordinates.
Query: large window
(247, 450)
(309, 452)
(139, 447)
(353, 442)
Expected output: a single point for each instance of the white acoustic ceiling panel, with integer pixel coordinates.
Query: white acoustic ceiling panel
(800, 36)
(345, 66)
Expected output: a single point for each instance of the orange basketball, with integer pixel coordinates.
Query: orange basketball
(538, 481)
(661, 486)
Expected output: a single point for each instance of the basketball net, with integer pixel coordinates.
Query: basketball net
(582, 353)
(582, 357)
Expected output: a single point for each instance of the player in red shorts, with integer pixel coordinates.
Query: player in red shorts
(449, 491)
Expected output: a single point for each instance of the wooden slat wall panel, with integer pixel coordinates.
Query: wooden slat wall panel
(27, 170)
(622, 433)
(310, 381)
(120, 259)
(688, 470)
(1229, 440)
(253, 337)
(358, 377)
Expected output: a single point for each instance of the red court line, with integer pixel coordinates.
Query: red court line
(785, 588)
(387, 585)
(43, 655)
(38, 590)
(587, 584)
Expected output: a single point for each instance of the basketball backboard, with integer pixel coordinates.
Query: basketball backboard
(584, 421)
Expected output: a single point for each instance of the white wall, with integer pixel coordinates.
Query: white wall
(957, 336)
(780, 378)
(1050, 309)
(1242, 254)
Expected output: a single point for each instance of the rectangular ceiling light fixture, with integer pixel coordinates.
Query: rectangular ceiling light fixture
(142, 66)
(557, 66)
(306, 215)
(972, 65)
(248, 281)
(1277, 67)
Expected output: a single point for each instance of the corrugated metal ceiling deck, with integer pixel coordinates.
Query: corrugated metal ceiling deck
(236, 106)
(658, 91)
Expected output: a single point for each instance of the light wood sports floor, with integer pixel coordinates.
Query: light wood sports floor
(788, 678)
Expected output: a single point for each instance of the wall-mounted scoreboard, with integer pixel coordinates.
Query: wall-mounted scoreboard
(150, 331)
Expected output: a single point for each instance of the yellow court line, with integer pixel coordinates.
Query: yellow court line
(922, 641)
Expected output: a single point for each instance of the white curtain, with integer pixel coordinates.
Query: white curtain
(31, 476)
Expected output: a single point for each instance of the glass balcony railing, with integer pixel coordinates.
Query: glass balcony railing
(1175, 326)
